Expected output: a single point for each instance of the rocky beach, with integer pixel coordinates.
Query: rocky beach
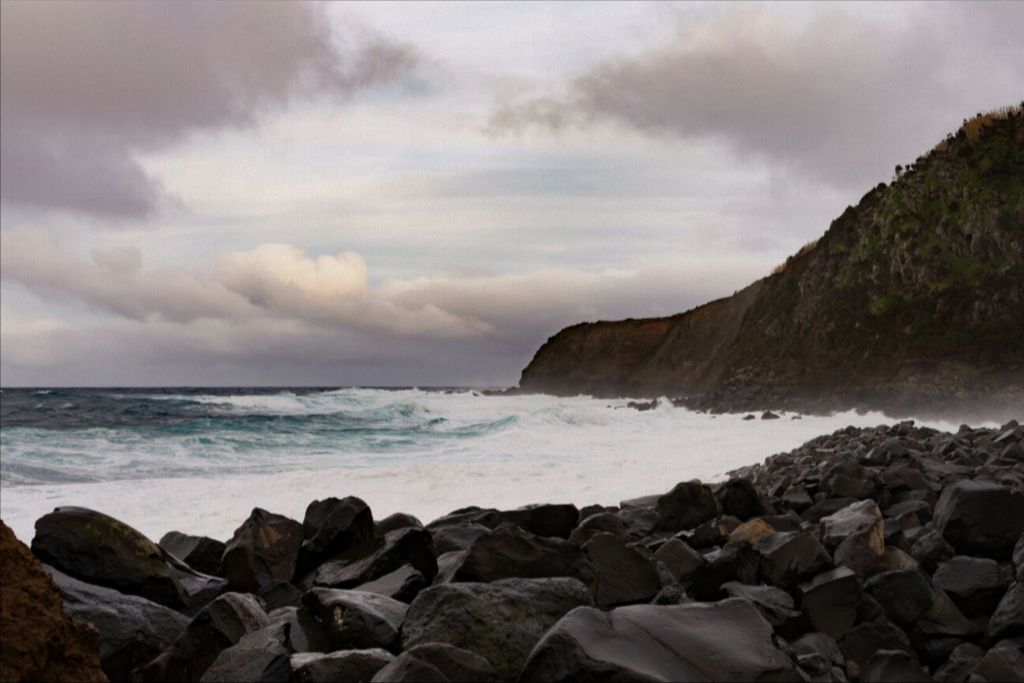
(870, 554)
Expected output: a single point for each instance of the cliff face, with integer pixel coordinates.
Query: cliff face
(917, 293)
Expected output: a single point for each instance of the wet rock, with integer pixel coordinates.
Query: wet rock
(201, 553)
(356, 620)
(262, 550)
(449, 539)
(975, 584)
(260, 657)
(101, 550)
(397, 521)
(511, 552)
(343, 666)
(739, 498)
(409, 546)
(775, 604)
(681, 560)
(132, 630)
(1008, 619)
(38, 641)
(602, 522)
(501, 621)
(686, 506)
(904, 595)
(403, 584)
(333, 526)
(789, 557)
(981, 518)
(887, 666)
(437, 662)
(830, 601)
(864, 640)
(216, 627)
(545, 520)
(728, 640)
(623, 575)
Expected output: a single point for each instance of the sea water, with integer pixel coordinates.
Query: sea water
(199, 460)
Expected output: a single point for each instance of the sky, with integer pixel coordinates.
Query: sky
(422, 193)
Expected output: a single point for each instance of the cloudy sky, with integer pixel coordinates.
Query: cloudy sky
(245, 194)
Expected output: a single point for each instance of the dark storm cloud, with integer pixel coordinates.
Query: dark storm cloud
(86, 86)
(841, 98)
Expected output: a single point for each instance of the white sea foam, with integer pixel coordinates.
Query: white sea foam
(502, 451)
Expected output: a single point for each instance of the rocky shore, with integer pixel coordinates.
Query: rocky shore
(892, 553)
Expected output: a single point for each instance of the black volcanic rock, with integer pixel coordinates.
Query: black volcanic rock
(437, 662)
(601, 522)
(789, 557)
(830, 601)
(728, 640)
(260, 657)
(545, 520)
(686, 506)
(375, 559)
(682, 561)
(862, 641)
(892, 665)
(975, 584)
(509, 552)
(199, 552)
(500, 621)
(904, 595)
(357, 620)
(402, 584)
(457, 538)
(623, 575)
(1008, 619)
(262, 550)
(397, 521)
(981, 518)
(343, 666)
(331, 527)
(741, 499)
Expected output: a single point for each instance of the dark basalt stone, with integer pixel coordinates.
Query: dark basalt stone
(489, 518)
(930, 550)
(830, 601)
(731, 562)
(864, 640)
(340, 667)
(961, 662)
(262, 550)
(728, 640)
(356, 620)
(623, 575)
(437, 662)
(904, 595)
(280, 594)
(975, 584)
(686, 506)
(449, 539)
(201, 553)
(850, 480)
(602, 522)
(741, 499)
(981, 518)
(944, 618)
(545, 520)
(500, 621)
(680, 559)
(333, 526)
(397, 521)
(216, 627)
(1004, 662)
(403, 584)
(101, 550)
(343, 666)
(381, 556)
(775, 604)
(1008, 619)
(132, 630)
(511, 552)
(892, 665)
(261, 657)
(789, 557)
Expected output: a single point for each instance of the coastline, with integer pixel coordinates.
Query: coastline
(863, 554)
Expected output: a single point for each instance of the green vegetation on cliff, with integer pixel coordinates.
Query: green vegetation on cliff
(917, 292)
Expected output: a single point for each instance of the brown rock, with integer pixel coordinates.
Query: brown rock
(38, 642)
(751, 531)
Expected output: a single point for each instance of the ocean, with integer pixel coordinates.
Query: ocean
(198, 460)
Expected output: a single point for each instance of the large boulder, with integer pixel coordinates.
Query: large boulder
(681, 561)
(500, 621)
(437, 662)
(488, 517)
(258, 657)
(263, 549)
(976, 584)
(741, 499)
(545, 520)
(215, 628)
(509, 552)
(981, 518)
(201, 553)
(132, 630)
(893, 665)
(686, 506)
(904, 595)
(624, 576)
(38, 641)
(343, 666)
(403, 584)
(1008, 619)
(101, 550)
(449, 539)
(398, 520)
(857, 532)
(774, 603)
(724, 641)
(789, 557)
(864, 640)
(332, 526)
(357, 620)
(408, 546)
(601, 522)
(830, 600)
